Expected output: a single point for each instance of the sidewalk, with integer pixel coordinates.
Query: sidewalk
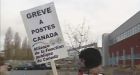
(120, 71)
(3, 70)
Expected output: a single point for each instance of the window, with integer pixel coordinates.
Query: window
(128, 33)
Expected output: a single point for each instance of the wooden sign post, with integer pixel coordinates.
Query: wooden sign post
(54, 67)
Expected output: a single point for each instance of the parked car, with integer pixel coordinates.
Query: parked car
(40, 67)
(23, 67)
(32, 66)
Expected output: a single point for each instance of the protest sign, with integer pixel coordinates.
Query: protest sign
(44, 33)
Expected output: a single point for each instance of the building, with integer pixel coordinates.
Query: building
(1, 53)
(105, 49)
(122, 46)
(72, 52)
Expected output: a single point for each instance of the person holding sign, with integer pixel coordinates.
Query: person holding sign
(90, 62)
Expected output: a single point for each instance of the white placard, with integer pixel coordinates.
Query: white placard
(44, 33)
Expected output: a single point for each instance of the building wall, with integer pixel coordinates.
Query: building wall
(105, 44)
(127, 45)
(130, 23)
(1, 54)
(115, 50)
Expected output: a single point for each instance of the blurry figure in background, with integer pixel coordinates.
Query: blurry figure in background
(3, 67)
(90, 62)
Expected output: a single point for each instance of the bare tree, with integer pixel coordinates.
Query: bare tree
(30, 54)
(17, 43)
(17, 40)
(8, 42)
(26, 49)
(24, 44)
(78, 37)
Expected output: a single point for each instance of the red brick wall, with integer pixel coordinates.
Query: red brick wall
(127, 44)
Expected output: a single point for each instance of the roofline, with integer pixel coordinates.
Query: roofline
(125, 22)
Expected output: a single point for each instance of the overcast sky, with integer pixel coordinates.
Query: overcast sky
(102, 16)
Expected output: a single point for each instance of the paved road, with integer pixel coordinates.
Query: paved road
(39, 72)
(47, 72)
(122, 73)
(126, 73)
